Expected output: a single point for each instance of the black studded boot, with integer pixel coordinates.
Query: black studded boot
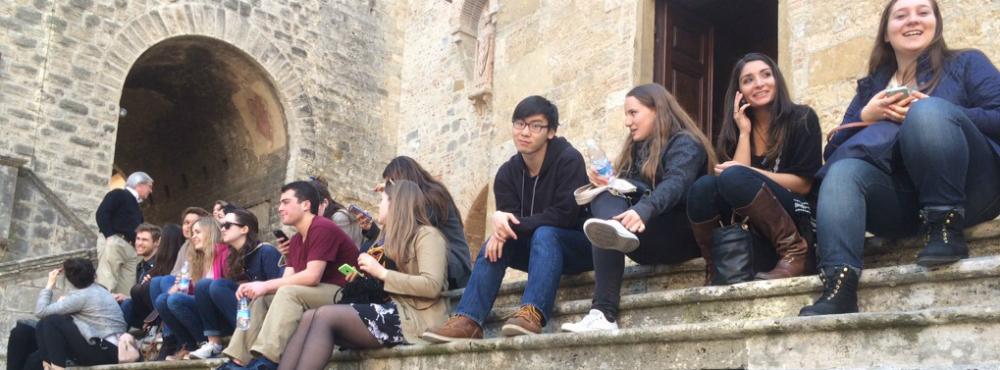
(943, 237)
(840, 292)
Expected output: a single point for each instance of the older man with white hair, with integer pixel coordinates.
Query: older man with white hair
(117, 218)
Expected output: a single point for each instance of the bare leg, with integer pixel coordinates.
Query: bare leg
(332, 325)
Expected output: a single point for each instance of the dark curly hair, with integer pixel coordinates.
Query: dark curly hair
(79, 271)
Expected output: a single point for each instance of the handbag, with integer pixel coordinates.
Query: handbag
(366, 289)
(874, 144)
(738, 253)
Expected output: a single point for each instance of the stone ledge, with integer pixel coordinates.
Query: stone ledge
(12, 269)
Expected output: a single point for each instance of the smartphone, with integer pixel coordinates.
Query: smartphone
(347, 270)
(898, 90)
(357, 211)
(280, 234)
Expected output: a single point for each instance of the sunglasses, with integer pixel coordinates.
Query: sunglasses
(227, 225)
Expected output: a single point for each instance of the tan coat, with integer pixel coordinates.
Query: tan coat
(416, 288)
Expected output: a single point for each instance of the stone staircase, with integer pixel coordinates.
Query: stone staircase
(911, 317)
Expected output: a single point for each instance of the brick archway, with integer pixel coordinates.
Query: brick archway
(219, 23)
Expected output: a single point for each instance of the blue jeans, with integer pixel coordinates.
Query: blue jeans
(160, 285)
(735, 188)
(128, 312)
(217, 305)
(547, 254)
(178, 311)
(945, 161)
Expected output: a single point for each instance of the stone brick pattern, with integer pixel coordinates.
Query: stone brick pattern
(64, 65)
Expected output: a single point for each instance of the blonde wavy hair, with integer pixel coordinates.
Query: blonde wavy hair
(198, 255)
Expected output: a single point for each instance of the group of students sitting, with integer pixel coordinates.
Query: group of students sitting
(918, 153)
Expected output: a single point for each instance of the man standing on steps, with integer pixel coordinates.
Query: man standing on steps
(537, 228)
(117, 217)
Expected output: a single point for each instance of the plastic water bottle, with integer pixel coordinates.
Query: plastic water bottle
(243, 315)
(600, 161)
(185, 280)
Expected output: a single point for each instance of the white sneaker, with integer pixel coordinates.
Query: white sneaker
(595, 320)
(207, 350)
(610, 234)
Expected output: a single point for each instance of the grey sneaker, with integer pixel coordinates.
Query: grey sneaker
(610, 234)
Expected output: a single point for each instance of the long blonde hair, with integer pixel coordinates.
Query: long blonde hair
(670, 120)
(210, 235)
(407, 213)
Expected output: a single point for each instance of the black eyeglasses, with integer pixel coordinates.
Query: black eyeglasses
(227, 225)
(533, 126)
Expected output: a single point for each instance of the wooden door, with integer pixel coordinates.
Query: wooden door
(684, 60)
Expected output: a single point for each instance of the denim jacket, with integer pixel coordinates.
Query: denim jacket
(968, 80)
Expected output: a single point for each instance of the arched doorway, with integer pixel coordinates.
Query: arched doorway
(205, 121)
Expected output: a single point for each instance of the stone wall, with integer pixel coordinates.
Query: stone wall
(64, 66)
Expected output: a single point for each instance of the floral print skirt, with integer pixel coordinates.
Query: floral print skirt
(382, 321)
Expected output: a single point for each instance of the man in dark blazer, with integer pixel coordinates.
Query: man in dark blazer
(117, 218)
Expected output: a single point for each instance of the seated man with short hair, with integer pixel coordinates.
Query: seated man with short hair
(310, 280)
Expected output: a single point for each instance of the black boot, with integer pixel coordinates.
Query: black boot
(943, 237)
(840, 292)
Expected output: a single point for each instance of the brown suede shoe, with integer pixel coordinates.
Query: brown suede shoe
(526, 321)
(457, 327)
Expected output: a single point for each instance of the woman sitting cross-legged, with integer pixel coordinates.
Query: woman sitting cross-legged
(941, 173)
(663, 155)
(248, 259)
(772, 149)
(420, 252)
(82, 328)
(206, 260)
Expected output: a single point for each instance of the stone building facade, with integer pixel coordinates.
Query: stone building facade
(231, 98)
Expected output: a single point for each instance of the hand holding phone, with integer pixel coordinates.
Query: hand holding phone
(358, 212)
(280, 235)
(347, 270)
(905, 90)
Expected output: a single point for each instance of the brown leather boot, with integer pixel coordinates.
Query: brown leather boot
(457, 327)
(769, 218)
(703, 232)
(526, 321)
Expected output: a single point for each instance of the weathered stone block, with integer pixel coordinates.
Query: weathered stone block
(74, 107)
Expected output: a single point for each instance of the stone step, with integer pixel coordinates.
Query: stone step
(984, 240)
(885, 289)
(962, 337)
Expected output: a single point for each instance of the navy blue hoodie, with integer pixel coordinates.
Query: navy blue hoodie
(546, 199)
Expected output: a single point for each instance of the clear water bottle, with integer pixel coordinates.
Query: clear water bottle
(600, 161)
(184, 282)
(243, 314)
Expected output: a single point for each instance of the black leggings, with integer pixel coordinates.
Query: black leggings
(666, 240)
(322, 328)
(60, 341)
(22, 347)
(736, 187)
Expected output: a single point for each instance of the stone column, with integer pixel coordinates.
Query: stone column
(8, 184)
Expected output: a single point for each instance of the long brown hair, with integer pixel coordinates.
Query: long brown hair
(670, 120)
(438, 198)
(407, 213)
(196, 258)
(236, 259)
(884, 56)
(782, 112)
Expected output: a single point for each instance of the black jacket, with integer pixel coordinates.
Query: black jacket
(683, 160)
(547, 199)
(119, 213)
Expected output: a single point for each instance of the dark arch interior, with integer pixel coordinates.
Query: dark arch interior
(204, 120)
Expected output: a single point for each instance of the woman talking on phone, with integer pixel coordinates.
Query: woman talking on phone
(944, 164)
(770, 149)
(415, 304)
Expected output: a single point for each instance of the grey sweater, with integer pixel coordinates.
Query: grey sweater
(94, 311)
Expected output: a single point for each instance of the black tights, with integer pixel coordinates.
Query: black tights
(323, 328)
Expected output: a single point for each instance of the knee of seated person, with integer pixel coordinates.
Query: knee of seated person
(203, 286)
(290, 291)
(734, 176)
(219, 289)
(703, 186)
(174, 301)
(545, 234)
(928, 113)
(848, 170)
(161, 302)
